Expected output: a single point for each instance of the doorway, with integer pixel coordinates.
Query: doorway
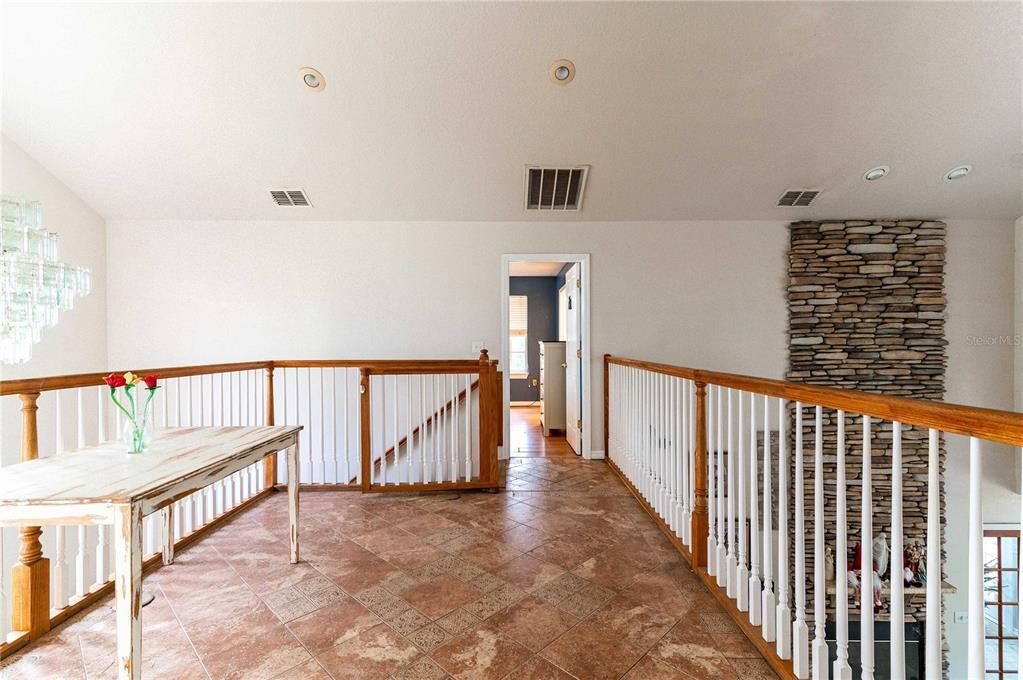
(571, 302)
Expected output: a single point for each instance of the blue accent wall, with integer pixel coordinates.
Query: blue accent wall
(543, 325)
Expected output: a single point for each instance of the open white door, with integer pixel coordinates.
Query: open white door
(573, 354)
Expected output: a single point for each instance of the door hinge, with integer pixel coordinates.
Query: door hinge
(578, 283)
(578, 354)
(579, 424)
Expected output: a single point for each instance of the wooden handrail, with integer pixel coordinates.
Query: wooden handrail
(64, 382)
(1005, 427)
(375, 367)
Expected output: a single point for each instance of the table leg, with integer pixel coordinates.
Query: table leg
(168, 534)
(293, 477)
(128, 589)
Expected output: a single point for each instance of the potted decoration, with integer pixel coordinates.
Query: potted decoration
(138, 429)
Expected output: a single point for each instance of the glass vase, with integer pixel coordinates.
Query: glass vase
(137, 434)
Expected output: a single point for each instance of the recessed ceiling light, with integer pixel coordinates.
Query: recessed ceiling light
(958, 172)
(562, 72)
(312, 78)
(875, 174)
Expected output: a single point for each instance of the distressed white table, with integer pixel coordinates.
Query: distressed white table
(106, 485)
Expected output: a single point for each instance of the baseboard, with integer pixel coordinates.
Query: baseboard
(596, 455)
(523, 403)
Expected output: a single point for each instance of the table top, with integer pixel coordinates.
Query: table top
(107, 473)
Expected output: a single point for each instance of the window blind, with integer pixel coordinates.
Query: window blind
(518, 311)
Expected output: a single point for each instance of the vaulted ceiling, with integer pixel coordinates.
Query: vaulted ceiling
(696, 110)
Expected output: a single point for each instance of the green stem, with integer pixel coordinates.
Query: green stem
(113, 397)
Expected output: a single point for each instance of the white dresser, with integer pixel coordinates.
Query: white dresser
(552, 386)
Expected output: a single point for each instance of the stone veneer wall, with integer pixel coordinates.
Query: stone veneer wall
(867, 312)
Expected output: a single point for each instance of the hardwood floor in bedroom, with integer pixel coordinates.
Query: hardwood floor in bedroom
(527, 440)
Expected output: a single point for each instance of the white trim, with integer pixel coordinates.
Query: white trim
(587, 345)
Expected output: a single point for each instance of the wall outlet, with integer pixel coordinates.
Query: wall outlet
(477, 347)
(959, 617)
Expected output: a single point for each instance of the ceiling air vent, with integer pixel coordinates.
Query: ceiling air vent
(799, 198)
(290, 198)
(555, 188)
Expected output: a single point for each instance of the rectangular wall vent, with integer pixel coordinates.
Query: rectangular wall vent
(290, 198)
(799, 198)
(555, 188)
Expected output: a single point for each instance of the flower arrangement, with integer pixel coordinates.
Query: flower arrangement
(136, 430)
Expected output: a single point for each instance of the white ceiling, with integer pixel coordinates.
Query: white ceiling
(698, 110)
(535, 268)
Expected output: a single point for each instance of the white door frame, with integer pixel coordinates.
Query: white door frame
(587, 344)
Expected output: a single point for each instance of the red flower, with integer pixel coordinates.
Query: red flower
(150, 381)
(115, 380)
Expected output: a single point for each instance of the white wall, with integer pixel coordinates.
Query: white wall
(980, 306)
(1019, 315)
(698, 293)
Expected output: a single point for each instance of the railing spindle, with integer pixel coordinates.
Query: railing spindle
(783, 615)
(732, 560)
(756, 602)
(820, 648)
(867, 561)
(842, 669)
(722, 560)
(60, 546)
(767, 594)
(932, 649)
(975, 548)
(712, 475)
(743, 574)
(800, 631)
(898, 606)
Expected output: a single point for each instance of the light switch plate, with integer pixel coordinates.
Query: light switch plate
(959, 617)
(477, 347)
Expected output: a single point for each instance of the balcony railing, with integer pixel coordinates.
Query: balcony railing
(369, 425)
(736, 469)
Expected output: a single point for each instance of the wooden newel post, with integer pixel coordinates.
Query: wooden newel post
(270, 462)
(490, 418)
(30, 578)
(700, 523)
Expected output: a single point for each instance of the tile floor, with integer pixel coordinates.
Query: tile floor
(561, 576)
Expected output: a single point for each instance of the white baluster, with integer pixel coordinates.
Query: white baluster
(309, 419)
(691, 389)
(681, 441)
(722, 562)
(422, 428)
(732, 559)
(800, 631)
(348, 462)
(81, 553)
(712, 472)
(842, 669)
(898, 607)
(60, 562)
(741, 572)
(753, 585)
(454, 427)
(867, 561)
(820, 647)
(933, 663)
(975, 589)
(783, 615)
(767, 596)
(323, 430)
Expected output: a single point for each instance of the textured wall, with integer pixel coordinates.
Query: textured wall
(867, 312)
